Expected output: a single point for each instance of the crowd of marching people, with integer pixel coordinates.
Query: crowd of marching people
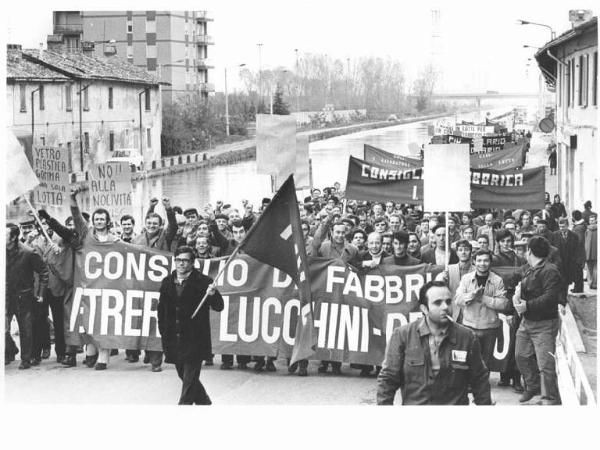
(362, 234)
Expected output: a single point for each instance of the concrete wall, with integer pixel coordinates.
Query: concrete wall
(59, 127)
(303, 117)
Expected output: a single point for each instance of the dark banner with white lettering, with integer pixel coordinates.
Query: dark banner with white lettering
(500, 157)
(116, 290)
(489, 144)
(511, 157)
(489, 188)
(115, 296)
(508, 189)
(383, 158)
(368, 181)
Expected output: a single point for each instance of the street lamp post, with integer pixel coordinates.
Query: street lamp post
(297, 83)
(259, 75)
(527, 22)
(227, 101)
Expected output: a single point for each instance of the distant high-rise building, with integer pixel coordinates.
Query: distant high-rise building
(171, 44)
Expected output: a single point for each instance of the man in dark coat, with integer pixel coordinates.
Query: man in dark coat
(437, 255)
(571, 254)
(22, 294)
(186, 341)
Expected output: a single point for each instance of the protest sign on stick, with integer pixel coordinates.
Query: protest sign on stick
(275, 145)
(51, 166)
(301, 174)
(446, 177)
(446, 180)
(110, 188)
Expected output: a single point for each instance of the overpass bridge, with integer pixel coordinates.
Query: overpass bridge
(482, 95)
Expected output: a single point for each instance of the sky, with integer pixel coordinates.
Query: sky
(480, 44)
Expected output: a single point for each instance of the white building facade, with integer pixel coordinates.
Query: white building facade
(88, 105)
(570, 64)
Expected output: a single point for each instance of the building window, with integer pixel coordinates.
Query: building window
(23, 96)
(86, 141)
(130, 28)
(568, 84)
(147, 99)
(130, 52)
(595, 80)
(583, 80)
(43, 141)
(572, 76)
(86, 99)
(69, 97)
(111, 141)
(110, 98)
(70, 151)
(148, 137)
(41, 94)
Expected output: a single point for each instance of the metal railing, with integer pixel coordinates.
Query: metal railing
(68, 28)
(204, 39)
(203, 16)
(204, 63)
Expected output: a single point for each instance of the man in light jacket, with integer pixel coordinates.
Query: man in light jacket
(481, 295)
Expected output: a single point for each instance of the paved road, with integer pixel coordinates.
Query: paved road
(126, 383)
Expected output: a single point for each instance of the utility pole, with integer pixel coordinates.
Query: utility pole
(259, 75)
(226, 106)
(347, 82)
(297, 83)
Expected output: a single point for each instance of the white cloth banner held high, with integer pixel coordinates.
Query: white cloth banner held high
(20, 177)
(446, 184)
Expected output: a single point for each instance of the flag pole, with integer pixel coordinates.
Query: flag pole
(36, 217)
(221, 270)
(447, 255)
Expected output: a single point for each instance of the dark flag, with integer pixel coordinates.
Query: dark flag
(381, 157)
(370, 181)
(508, 189)
(276, 239)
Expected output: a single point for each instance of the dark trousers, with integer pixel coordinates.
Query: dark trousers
(536, 343)
(487, 340)
(334, 364)
(192, 390)
(512, 372)
(41, 328)
(57, 306)
(228, 359)
(23, 309)
(155, 357)
(134, 353)
(262, 358)
(592, 276)
(577, 277)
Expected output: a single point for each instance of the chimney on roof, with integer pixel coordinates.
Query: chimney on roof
(579, 16)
